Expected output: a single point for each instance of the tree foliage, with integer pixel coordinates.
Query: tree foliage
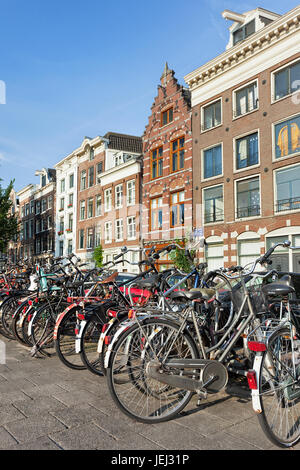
(8, 221)
(98, 256)
(179, 258)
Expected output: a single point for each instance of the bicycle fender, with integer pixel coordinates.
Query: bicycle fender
(256, 402)
(102, 336)
(31, 323)
(61, 317)
(78, 337)
(124, 327)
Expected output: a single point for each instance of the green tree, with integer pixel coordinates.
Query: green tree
(98, 256)
(181, 261)
(8, 221)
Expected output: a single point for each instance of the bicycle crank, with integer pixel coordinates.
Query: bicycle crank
(211, 375)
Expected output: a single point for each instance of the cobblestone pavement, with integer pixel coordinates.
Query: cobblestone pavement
(45, 405)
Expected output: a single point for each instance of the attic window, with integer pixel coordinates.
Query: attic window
(43, 180)
(244, 32)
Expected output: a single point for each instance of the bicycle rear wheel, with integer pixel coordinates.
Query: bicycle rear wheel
(137, 394)
(279, 391)
(65, 342)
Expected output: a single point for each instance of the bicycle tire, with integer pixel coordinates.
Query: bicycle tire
(65, 342)
(280, 417)
(147, 400)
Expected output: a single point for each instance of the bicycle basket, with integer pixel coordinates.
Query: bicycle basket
(258, 299)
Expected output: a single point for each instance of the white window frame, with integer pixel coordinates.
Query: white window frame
(131, 222)
(235, 169)
(202, 162)
(119, 230)
(203, 205)
(273, 73)
(202, 130)
(234, 102)
(119, 196)
(235, 197)
(289, 211)
(279, 159)
(130, 192)
(108, 231)
(107, 200)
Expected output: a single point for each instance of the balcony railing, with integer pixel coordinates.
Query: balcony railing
(215, 216)
(251, 211)
(288, 204)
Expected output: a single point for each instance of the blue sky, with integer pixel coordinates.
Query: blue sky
(76, 68)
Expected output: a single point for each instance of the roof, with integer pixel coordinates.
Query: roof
(125, 142)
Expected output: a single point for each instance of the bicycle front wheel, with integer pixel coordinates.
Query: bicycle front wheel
(279, 391)
(137, 394)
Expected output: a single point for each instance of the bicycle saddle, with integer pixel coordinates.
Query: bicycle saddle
(148, 283)
(279, 288)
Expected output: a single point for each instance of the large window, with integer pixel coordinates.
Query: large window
(71, 181)
(98, 206)
(287, 137)
(246, 99)
(131, 228)
(107, 200)
(119, 196)
(83, 180)
(214, 256)
(82, 210)
(166, 117)
(213, 204)
(90, 238)
(81, 238)
(211, 115)
(177, 154)
(156, 213)
(248, 251)
(91, 176)
(212, 162)
(156, 162)
(246, 151)
(130, 193)
(108, 232)
(288, 188)
(177, 209)
(90, 208)
(287, 80)
(119, 230)
(248, 198)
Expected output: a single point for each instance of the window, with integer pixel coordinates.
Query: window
(61, 248)
(166, 117)
(71, 199)
(177, 154)
(62, 204)
(91, 176)
(27, 209)
(211, 115)
(98, 206)
(118, 159)
(70, 246)
(119, 230)
(70, 223)
(107, 200)
(246, 151)
(32, 206)
(248, 251)
(83, 180)
(98, 236)
(81, 238)
(108, 232)
(62, 186)
(38, 245)
(156, 162)
(61, 224)
(82, 210)
(90, 238)
(92, 154)
(90, 208)
(248, 198)
(130, 193)
(44, 180)
(156, 213)
(44, 205)
(287, 80)
(288, 188)
(177, 208)
(214, 256)
(38, 207)
(287, 137)
(71, 181)
(99, 168)
(49, 223)
(244, 32)
(212, 162)
(213, 204)
(50, 199)
(246, 99)
(119, 196)
(131, 228)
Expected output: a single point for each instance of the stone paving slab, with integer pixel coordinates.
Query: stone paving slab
(46, 406)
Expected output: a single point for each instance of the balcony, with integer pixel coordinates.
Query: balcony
(251, 211)
(288, 204)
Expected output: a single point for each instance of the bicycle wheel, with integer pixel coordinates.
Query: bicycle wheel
(17, 323)
(43, 324)
(224, 310)
(279, 391)
(137, 394)
(65, 342)
(8, 309)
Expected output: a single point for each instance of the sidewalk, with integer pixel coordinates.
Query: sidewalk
(45, 405)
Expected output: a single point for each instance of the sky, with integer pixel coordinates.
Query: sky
(73, 68)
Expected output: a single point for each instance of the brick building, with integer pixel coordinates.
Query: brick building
(37, 217)
(109, 182)
(246, 141)
(167, 166)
